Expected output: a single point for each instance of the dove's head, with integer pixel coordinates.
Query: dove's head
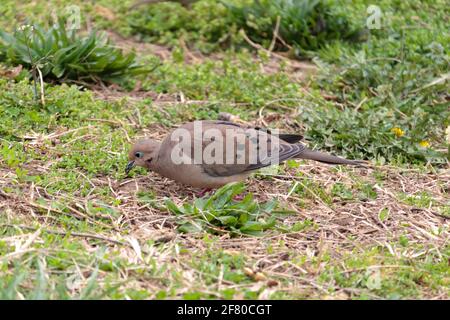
(143, 153)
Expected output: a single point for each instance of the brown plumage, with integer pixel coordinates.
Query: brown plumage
(222, 162)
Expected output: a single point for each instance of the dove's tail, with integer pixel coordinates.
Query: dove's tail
(327, 158)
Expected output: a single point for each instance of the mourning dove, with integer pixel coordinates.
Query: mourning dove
(209, 154)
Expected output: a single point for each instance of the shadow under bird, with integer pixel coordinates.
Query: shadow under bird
(163, 157)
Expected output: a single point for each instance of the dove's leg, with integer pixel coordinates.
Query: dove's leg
(238, 197)
(203, 192)
(207, 191)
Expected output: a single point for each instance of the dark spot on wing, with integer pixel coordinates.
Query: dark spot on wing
(228, 123)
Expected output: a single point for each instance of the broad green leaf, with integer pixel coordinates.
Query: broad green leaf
(228, 220)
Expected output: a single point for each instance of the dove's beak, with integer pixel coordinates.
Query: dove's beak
(129, 166)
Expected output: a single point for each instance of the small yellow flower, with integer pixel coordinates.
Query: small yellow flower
(424, 144)
(398, 132)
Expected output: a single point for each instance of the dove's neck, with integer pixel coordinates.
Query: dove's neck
(157, 157)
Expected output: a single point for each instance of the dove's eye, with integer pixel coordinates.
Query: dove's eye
(139, 154)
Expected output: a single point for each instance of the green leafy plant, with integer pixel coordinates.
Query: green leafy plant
(62, 54)
(205, 25)
(392, 95)
(303, 24)
(220, 213)
(209, 24)
(370, 134)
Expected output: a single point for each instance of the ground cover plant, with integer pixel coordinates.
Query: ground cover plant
(74, 226)
(59, 53)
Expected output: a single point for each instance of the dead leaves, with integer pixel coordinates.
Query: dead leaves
(10, 73)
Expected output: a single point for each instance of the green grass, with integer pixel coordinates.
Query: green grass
(51, 270)
(72, 226)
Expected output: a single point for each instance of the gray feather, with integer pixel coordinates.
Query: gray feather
(327, 158)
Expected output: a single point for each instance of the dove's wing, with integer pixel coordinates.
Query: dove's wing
(229, 149)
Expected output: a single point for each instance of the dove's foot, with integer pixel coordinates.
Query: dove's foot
(203, 192)
(239, 197)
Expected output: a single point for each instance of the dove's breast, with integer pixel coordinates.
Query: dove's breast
(195, 176)
(182, 169)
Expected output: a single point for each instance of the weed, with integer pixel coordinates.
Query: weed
(62, 54)
(220, 213)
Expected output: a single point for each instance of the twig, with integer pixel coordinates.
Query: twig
(77, 214)
(275, 34)
(42, 86)
(63, 233)
(260, 47)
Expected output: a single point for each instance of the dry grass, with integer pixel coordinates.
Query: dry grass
(340, 227)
